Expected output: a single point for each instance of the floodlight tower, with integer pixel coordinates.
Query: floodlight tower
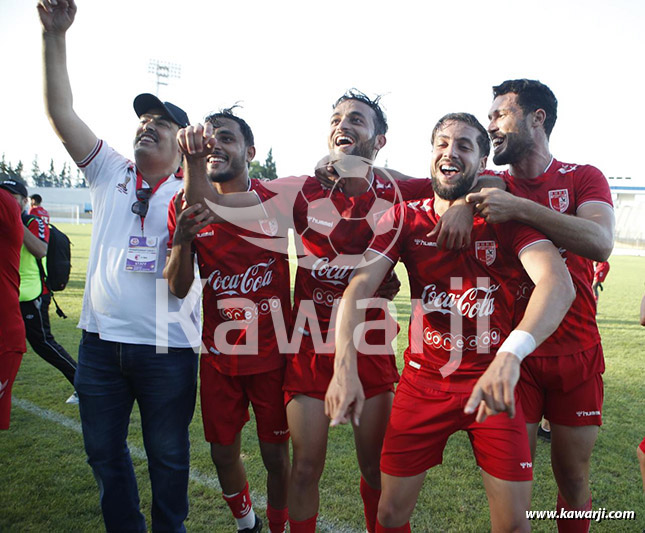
(163, 71)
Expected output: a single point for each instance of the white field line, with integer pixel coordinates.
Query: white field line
(324, 524)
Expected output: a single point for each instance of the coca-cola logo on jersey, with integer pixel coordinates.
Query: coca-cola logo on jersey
(336, 274)
(473, 302)
(252, 280)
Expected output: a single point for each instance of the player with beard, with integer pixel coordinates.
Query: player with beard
(457, 370)
(329, 247)
(231, 378)
(571, 204)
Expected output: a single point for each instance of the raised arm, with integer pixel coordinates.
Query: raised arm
(551, 298)
(197, 142)
(590, 233)
(56, 16)
(345, 397)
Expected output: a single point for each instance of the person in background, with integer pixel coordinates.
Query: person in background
(600, 271)
(12, 328)
(37, 209)
(34, 295)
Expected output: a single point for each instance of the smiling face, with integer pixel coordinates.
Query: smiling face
(456, 159)
(231, 156)
(157, 137)
(509, 130)
(352, 130)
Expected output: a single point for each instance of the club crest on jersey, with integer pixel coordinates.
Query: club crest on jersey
(559, 200)
(486, 251)
(269, 226)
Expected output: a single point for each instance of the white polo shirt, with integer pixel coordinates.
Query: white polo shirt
(127, 306)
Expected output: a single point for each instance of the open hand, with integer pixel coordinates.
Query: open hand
(190, 220)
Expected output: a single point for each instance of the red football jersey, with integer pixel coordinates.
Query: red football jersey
(332, 233)
(462, 300)
(40, 212)
(564, 188)
(12, 326)
(248, 262)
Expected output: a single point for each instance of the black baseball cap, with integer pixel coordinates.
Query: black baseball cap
(14, 187)
(146, 101)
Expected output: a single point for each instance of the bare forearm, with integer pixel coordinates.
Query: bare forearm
(576, 234)
(179, 270)
(57, 88)
(34, 245)
(197, 189)
(348, 318)
(548, 305)
(488, 181)
(76, 136)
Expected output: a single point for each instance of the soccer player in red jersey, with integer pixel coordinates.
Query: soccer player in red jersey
(570, 204)
(600, 271)
(457, 370)
(334, 227)
(12, 327)
(244, 282)
(36, 209)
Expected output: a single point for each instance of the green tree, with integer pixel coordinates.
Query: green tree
(270, 172)
(64, 177)
(256, 170)
(17, 172)
(52, 179)
(79, 181)
(35, 172)
(266, 171)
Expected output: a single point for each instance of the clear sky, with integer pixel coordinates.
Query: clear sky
(287, 62)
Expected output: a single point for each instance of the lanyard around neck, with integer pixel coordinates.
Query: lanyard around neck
(139, 186)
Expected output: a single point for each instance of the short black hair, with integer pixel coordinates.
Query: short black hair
(483, 142)
(227, 113)
(531, 96)
(380, 124)
(36, 198)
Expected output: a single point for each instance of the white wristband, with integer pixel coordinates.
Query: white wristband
(519, 343)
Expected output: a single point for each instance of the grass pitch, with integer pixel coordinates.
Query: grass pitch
(48, 487)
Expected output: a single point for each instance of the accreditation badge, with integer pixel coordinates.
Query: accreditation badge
(142, 254)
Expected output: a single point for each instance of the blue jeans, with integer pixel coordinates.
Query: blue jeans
(109, 378)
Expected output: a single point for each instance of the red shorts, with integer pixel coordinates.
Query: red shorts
(423, 418)
(566, 390)
(225, 404)
(309, 373)
(9, 365)
(642, 445)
